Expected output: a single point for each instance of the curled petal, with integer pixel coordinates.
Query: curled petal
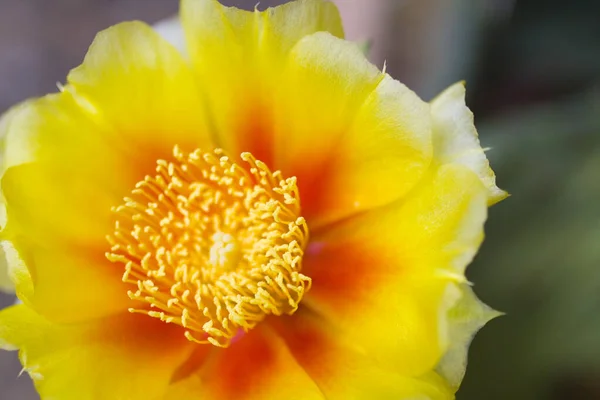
(121, 357)
(465, 318)
(455, 138)
(359, 138)
(6, 284)
(139, 84)
(64, 287)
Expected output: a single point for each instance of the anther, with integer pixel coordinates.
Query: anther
(212, 245)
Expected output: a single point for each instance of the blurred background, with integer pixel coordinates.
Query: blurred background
(533, 79)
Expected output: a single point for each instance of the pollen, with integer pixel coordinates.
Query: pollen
(212, 245)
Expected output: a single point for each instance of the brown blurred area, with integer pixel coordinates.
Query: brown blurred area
(41, 40)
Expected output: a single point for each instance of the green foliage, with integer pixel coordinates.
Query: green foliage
(540, 263)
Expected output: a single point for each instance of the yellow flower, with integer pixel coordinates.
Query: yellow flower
(267, 216)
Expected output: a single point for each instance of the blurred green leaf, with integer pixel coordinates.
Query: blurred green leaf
(541, 260)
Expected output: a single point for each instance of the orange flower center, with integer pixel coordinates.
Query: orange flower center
(212, 245)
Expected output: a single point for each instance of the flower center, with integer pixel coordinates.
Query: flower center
(212, 245)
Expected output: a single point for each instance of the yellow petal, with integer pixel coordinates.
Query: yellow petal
(18, 273)
(326, 82)
(239, 56)
(65, 286)
(6, 284)
(455, 138)
(342, 371)
(467, 316)
(359, 139)
(257, 366)
(5, 122)
(309, 104)
(133, 98)
(387, 278)
(129, 356)
(71, 156)
(62, 178)
(139, 84)
(212, 29)
(62, 174)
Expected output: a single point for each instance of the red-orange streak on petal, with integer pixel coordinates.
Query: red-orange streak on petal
(310, 346)
(236, 370)
(314, 171)
(346, 273)
(193, 363)
(314, 175)
(143, 332)
(339, 368)
(256, 133)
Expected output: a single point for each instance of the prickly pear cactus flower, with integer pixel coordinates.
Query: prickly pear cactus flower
(259, 214)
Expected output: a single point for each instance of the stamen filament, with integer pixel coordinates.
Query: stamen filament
(212, 245)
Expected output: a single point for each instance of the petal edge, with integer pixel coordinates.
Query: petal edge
(465, 318)
(455, 138)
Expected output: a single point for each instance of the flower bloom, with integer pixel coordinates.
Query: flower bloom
(263, 215)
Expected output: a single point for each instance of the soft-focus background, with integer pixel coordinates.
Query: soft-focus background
(533, 73)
